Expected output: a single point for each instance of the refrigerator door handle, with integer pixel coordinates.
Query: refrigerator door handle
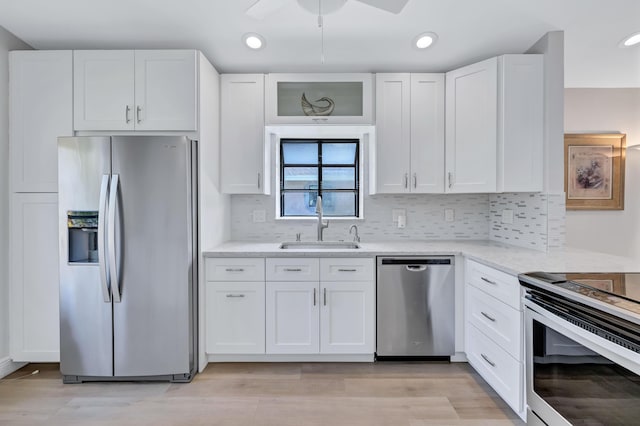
(102, 246)
(111, 229)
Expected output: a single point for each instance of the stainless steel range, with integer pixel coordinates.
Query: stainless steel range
(582, 348)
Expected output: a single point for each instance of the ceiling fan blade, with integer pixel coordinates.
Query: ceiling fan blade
(263, 8)
(393, 6)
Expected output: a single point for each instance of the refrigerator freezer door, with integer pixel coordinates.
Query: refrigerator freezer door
(154, 237)
(86, 347)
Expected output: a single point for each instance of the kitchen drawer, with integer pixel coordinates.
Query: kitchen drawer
(498, 284)
(234, 269)
(499, 321)
(503, 373)
(293, 269)
(348, 269)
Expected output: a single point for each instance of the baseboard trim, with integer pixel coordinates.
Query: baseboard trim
(7, 366)
(291, 358)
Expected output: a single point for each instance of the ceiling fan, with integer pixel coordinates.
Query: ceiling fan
(263, 8)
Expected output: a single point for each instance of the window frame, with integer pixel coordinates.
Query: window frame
(356, 166)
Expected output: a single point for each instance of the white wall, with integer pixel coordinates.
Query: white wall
(597, 111)
(7, 42)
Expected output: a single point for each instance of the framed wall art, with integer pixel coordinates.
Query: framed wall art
(594, 171)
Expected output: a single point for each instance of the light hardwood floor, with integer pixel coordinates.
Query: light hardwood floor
(291, 394)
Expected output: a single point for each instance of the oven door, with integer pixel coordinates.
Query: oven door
(575, 376)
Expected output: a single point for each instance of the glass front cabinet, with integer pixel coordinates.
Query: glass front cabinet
(319, 99)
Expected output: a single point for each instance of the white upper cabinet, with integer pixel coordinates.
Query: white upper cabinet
(471, 125)
(153, 90)
(410, 133)
(242, 134)
(41, 96)
(319, 99)
(520, 123)
(494, 126)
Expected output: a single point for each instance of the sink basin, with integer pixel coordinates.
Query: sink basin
(323, 245)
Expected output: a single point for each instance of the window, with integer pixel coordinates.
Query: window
(312, 167)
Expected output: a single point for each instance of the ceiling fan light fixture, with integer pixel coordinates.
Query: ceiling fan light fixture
(424, 40)
(253, 41)
(631, 40)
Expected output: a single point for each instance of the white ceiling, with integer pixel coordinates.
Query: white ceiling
(358, 37)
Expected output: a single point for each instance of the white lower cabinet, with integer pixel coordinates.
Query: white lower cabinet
(235, 317)
(347, 317)
(292, 321)
(34, 332)
(494, 331)
(235, 300)
(290, 306)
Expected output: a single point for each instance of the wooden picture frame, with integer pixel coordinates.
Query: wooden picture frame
(594, 171)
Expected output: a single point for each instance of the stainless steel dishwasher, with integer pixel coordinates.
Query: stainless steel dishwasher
(415, 307)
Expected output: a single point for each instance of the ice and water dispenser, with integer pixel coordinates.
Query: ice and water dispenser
(83, 236)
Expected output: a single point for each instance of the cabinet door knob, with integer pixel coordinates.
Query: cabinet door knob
(325, 296)
(450, 176)
(138, 110)
(127, 110)
(314, 297)
(415, 180)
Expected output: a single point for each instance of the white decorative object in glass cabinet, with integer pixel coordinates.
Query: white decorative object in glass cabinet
(319, 99)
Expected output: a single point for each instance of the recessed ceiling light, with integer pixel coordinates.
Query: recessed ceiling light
(632, 40)
(424, 40)
(253, 41)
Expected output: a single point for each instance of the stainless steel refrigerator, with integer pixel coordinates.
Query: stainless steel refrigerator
(128, 258)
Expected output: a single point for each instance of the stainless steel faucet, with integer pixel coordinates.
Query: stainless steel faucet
(321, 224)
(356, 238)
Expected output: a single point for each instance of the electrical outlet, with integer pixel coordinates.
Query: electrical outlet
(259, 216)
(395, 213)
(449, 215)
(507, 216)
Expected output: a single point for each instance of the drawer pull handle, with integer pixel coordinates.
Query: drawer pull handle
(487, 280)
(491, 363)
(292, 270)
(235, 295)
(347, 270)
(487, 316)
(234, 270)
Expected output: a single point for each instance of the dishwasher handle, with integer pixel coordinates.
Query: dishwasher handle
(416, 268)
(415, 261)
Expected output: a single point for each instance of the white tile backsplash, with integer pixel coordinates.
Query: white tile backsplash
(538, 220)
(424, 219)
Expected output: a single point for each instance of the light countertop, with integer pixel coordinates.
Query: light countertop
(508, 258)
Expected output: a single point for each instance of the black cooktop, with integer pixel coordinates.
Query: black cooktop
(619, 290)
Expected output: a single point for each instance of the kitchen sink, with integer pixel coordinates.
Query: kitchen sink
(323, 245)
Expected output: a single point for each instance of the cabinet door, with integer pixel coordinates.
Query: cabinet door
(292, 317)
(165, 90)
(235, 317)
(471, 127)
(520, 123)
(242, 134)
(347, 317)
(35, 330)
(41, 98)
(103, 90)
(427, 133)
(393, 136)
